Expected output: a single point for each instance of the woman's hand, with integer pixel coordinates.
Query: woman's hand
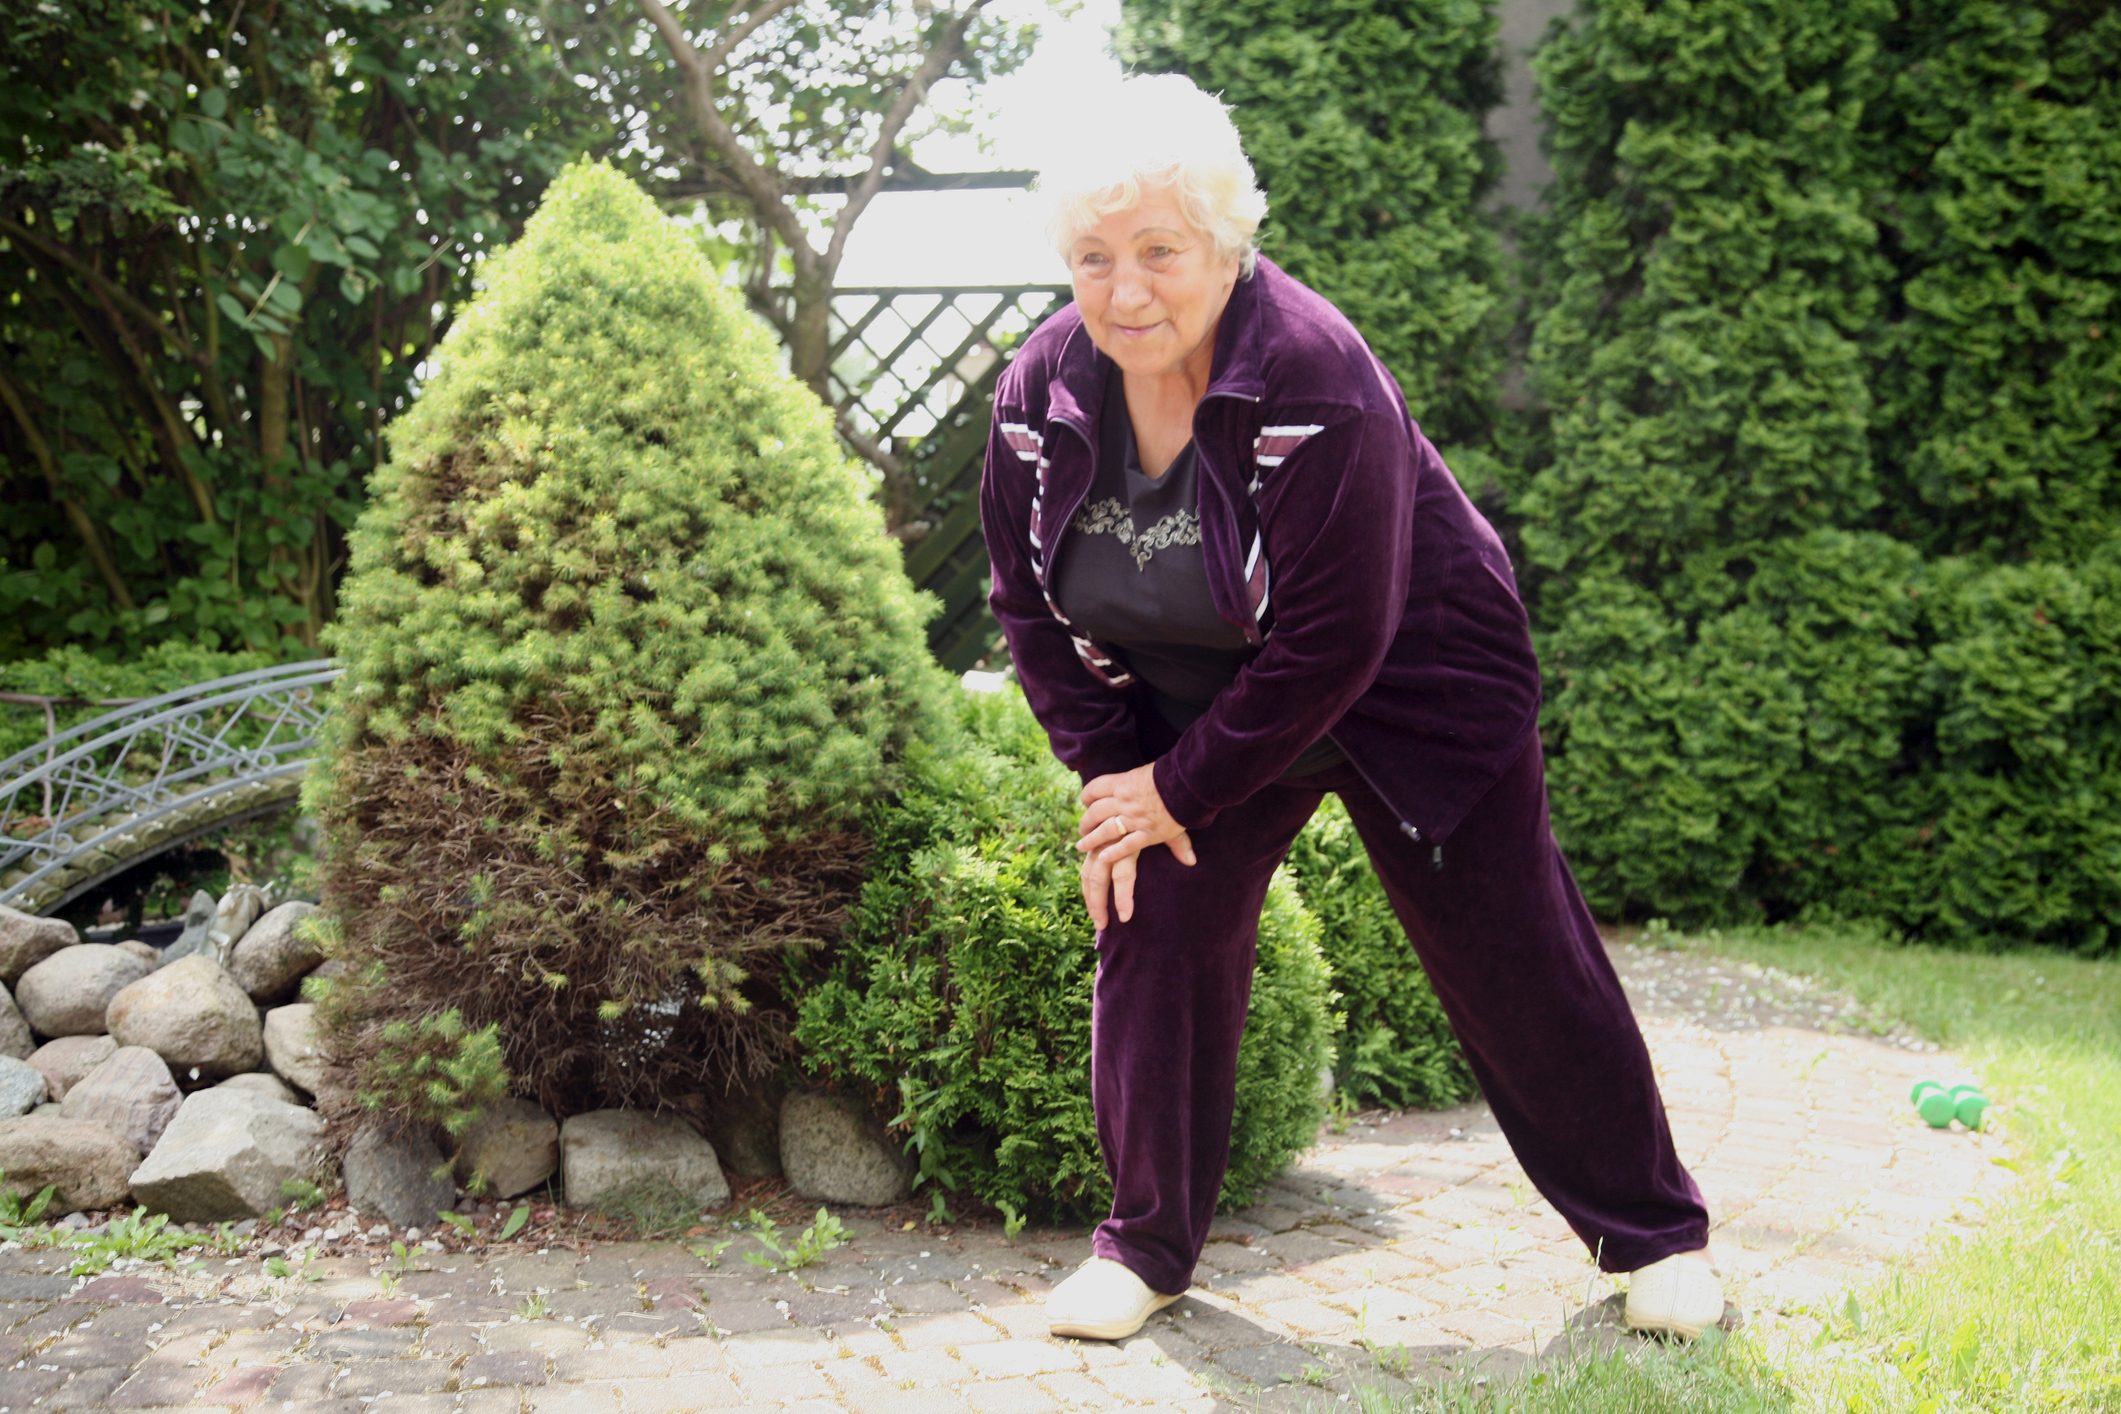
(1122, 816)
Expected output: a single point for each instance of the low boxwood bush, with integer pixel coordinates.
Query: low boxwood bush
(958, 999)
(1398, 1050)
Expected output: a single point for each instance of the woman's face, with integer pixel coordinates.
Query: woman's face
(1151, 287)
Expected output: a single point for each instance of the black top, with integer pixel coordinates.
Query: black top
(1133, 579)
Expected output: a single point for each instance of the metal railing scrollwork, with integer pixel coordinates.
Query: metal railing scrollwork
(98, 798)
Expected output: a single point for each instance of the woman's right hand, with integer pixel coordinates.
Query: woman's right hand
(1102, 881)
(1123, 815)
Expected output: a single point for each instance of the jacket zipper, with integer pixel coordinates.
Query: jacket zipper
(1052, 554)
(1250, 624)
(1406, 827)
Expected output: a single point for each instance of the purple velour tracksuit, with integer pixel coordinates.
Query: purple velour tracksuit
(1386, 614)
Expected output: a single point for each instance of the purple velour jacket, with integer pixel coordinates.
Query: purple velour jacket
(1382, 603)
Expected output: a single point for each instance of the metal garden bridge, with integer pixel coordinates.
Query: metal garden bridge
(913, 376)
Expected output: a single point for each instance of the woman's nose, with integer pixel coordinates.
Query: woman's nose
(1131, 290)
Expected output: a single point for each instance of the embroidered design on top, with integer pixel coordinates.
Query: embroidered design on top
(1109, 517)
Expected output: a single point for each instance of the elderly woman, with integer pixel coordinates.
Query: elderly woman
(1234, 577)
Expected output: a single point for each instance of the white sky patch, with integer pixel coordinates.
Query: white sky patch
(990, 237)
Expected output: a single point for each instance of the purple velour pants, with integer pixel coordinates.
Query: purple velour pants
(1515, 959)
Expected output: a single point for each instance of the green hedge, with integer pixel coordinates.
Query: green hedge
(958, 999)
(1826, 467)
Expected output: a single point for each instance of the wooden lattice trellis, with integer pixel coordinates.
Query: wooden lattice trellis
(913, 371)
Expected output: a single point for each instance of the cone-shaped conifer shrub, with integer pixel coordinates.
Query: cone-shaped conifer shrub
(628, 652)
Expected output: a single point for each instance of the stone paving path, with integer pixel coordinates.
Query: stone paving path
(1407, 1243)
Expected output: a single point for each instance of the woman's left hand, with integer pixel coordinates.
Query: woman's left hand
(1122, 816)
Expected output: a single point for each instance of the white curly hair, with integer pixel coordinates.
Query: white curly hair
(1154, 131)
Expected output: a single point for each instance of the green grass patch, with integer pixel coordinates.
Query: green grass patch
(1715, 1373)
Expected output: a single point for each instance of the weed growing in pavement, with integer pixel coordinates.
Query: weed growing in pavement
(18, 1218)
(139, 1235)
(534, 1308)
(711, 1252)
(466, 1227)
(809, 1246)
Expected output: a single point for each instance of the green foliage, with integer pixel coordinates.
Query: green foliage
(1363, 121)
(1823, 301)
(1709, 273)
(86, 679)
(960, 991)
(1399, 1050)
(806, 1248)
(138, 1235)
(1999, 432)
(1762, 761)
(227, 237)
(2017, 834)
(625, 645)
(17, 1213)
(435, 1069)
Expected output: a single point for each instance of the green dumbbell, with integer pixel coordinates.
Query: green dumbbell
(1934, 1103)
(1969, 1105)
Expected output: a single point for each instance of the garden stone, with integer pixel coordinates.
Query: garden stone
(26, 940)
(85, 1162)
(262, 1082)
(132, 1094)
(193, 1015)
(22, 1087)
(391, 1170)
(15, 1037)
(65, 1061)
(226, 1155)
(609, 1155)
(68, 993)
(515, 1146)
(292, 1048)
(146, 952)
(49, 1107)
(744, 1125)
(836, 1155)
(274, 954)
(198, 922)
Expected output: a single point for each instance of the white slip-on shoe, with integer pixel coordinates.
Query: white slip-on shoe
(1103, 1300)
(1678, 1296)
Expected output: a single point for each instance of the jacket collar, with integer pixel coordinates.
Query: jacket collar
(1077, 394)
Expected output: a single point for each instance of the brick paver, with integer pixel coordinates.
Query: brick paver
(1405, 1240)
